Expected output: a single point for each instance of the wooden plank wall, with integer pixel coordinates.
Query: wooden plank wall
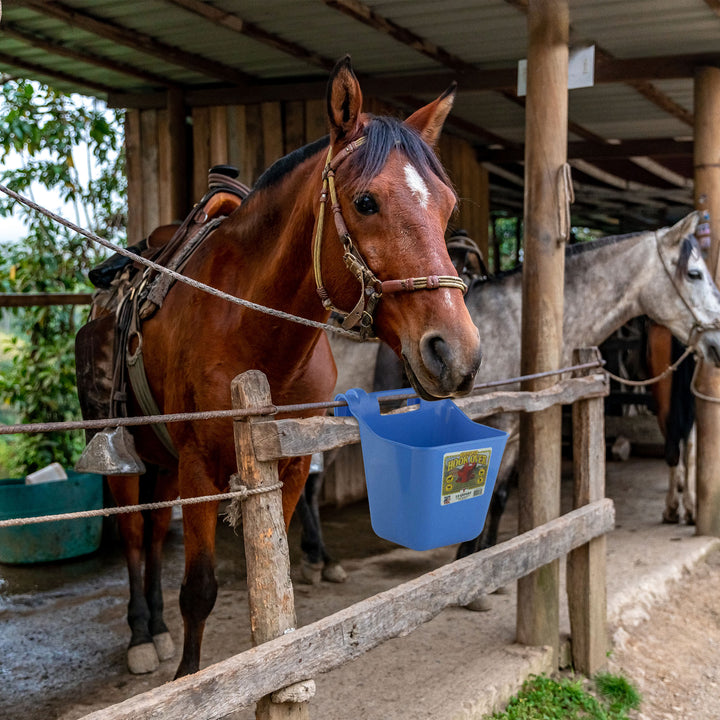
(251, 137)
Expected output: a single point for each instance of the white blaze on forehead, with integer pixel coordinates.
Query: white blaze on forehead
(417, 185)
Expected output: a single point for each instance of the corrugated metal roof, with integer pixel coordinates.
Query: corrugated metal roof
(483, 35)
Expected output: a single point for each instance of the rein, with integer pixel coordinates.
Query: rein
(360, 318)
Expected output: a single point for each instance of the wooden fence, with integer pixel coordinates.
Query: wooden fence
(274, 672)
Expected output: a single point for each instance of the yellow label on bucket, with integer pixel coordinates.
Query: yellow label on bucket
(464, 475)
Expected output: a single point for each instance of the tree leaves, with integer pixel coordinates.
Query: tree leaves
(56, 136)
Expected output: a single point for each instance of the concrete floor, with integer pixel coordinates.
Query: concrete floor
(63, 635)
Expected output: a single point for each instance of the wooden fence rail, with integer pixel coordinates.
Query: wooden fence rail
(43, 299)
(284, 657)
(321, 646)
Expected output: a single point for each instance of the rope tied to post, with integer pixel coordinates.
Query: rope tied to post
(239, 492)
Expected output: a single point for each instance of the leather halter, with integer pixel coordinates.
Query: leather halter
(371, 288)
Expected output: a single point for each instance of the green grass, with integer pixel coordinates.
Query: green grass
(607, 697)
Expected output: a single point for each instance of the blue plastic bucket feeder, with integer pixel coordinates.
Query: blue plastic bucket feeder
(430, 471)
(56, 540)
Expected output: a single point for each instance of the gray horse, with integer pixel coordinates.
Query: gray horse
(607, 282)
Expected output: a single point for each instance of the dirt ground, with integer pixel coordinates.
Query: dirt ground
(672, 656)
(63, 631)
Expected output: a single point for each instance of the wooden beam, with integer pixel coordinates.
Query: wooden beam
(42, 71)
(363, 13)
(14, 31)
(656, 147)
(233, 22)
(707, 198)
(586, 565)
(239, 681)
(542, 308)
(294, 438)
(43, 299)
(138, 41)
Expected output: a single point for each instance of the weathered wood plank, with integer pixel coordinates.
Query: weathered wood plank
(133, 164)
(586, 565)
(294, 437)
(271, 115)
(267, 556)
(328, 643)
(150, 171)
(201, 151)
(218, 137)
(38, 299)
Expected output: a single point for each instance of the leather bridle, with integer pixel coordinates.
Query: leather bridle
(371, 287)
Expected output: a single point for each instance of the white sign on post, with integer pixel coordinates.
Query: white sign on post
(581, 70)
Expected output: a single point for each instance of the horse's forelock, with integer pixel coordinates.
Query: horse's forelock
(384, 134)
(687, 246)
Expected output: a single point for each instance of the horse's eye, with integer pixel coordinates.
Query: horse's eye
(365, 204)
(695, 274)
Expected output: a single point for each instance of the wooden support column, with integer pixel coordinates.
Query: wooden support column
(270, 592)
(707, 198)
(586, 566)
(542, 314)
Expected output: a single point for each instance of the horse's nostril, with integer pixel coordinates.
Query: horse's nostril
(436, 354)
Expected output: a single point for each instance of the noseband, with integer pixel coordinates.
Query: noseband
(371, 288)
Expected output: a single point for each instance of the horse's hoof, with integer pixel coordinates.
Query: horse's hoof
(479, 604)
(333, 572)
(311, 573)
(671, 517)
(164, 646)
(142, 659)
(689, 519)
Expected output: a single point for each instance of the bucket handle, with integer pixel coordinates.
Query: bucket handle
(361, 400)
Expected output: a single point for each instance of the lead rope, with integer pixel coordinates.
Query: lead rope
(669, 369)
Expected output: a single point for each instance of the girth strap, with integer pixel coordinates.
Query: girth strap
(138, 376)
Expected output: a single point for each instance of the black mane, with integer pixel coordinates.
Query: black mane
(382, 134)
(287, 164)
(572, 250)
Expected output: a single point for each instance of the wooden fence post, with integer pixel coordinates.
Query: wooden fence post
(270, 592)
(538, 601)
(707, 197)
(586, 566)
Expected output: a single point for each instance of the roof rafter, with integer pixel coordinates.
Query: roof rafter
(645, 88)
(14, 31)
(237, 24)
(137, 41)
(362, 13)
(12, 61)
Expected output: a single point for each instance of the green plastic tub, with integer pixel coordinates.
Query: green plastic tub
(49, 541)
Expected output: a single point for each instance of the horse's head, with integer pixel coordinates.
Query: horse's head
(690, 307)
(392, 202)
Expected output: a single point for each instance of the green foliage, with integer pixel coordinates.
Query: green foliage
(48, 131)
(619, 693)
(543, 698)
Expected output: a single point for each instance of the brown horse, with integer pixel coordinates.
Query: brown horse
(391, 205)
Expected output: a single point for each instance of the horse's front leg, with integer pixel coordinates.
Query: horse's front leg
(142, 656)
(199, 588)
(166, 488)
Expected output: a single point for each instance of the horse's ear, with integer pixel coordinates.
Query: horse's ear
(344, 100)
(681, 229)
(428, 120)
